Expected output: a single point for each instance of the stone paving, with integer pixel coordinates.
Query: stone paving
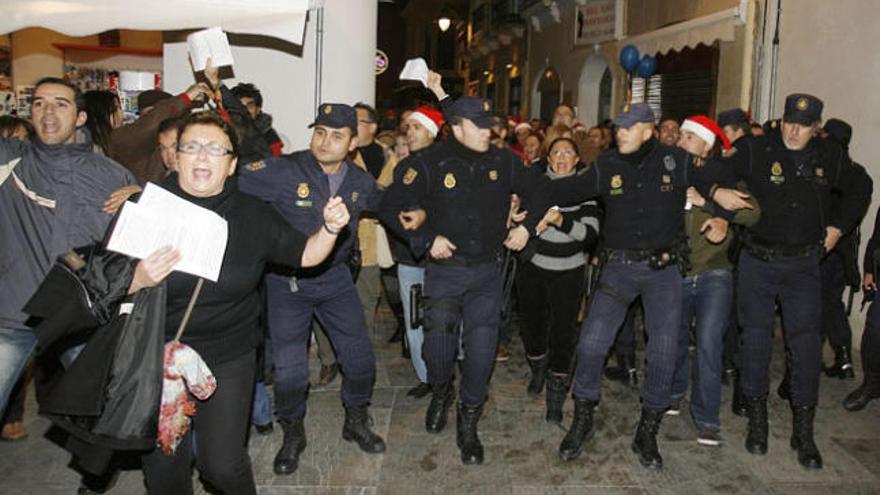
(520, 447)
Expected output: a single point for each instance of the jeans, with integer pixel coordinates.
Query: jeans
(16, 347)
(407, 276)
(707, 297)
(261, 414)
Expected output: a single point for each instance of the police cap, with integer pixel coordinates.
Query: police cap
(802, 109)
(732, 117)
(336, 116)
(634, 113)
(473, 108)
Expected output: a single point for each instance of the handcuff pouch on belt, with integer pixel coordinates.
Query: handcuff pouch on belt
(450, 308)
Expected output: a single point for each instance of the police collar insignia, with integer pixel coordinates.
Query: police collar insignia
(255, 166)
(409, 176)
(302, 190)
(449, 181)
(493, 175)
(669, 163)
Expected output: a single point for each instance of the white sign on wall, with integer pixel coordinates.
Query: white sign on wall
(595, 21)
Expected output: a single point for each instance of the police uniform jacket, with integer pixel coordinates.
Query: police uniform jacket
(644, 193)
(466, 195)
(298, 188)
(794, 189)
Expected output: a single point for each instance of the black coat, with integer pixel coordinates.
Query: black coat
(110, 395)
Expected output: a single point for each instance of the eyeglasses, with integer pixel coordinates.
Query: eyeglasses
(565, 153)
(212, 149)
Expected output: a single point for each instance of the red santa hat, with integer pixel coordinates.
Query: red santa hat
(522, 125)
(705, 129)
(429, 117)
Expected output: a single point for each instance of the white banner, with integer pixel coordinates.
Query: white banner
(284, 19)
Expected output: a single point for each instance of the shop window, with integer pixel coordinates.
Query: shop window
(684, 84)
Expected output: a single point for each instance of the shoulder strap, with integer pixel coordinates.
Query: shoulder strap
(7, 168)
(189, 309)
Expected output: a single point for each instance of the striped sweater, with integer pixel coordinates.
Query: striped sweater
(562, 248)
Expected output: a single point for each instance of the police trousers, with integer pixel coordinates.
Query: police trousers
(796, 281)
(462, 294)
(620, 283)
(332, 298)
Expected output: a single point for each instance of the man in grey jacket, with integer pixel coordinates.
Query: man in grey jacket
(51, 194)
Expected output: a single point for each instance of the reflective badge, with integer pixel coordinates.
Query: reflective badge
(776, 171)
(773, 124)
(698, 162)
(328, 109)
(486, 106)
(493, 175)
(354, 196)
(302, 190)
(667, 179)
(255, 166)
(409, 176)
(802, 104)
(669, 163)
(616, 185)
(449, 181)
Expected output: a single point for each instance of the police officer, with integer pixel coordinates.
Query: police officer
(792, 177)
(464, 186)
(298, 185)
(643, 184)
(840, 268)
(870, 389)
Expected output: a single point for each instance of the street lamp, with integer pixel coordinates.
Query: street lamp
(444, 23)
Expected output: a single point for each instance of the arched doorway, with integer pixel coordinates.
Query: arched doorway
(549, 92)
(594, 91)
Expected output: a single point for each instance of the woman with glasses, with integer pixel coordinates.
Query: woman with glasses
(550, 285)
(223, 326)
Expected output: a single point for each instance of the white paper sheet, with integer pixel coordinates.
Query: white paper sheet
(416, 69)
(160, 219)
(209, 43)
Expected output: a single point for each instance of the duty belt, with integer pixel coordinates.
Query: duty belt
(656, 258)
(766, 251)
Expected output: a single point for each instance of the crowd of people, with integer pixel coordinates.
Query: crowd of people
(696, 229)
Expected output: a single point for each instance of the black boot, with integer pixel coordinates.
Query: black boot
(756, 437)
(645, 442)
(357, 429)
(556, 390)
(580, 432)
(860, 397)
(784, 389)
(802, 437)
(842, 367)
(466, 433)
(438, 409)
(539, 375)
(287, 458)
(738, 402)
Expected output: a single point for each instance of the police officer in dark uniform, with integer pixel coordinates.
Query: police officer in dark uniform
(840, 268)
(643, 184)
(297, 185)
(792, 176)
(870, 388)
(464, 186)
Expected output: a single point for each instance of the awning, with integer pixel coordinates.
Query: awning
(284, 19)
(720, 26)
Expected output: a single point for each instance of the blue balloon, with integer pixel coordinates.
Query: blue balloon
(647, 66)
(629, 57)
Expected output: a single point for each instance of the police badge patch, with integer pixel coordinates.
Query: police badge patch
(253, 167)
(302, 190)
(493, 175)
(449, 181)
(409, 176)
(669, 163)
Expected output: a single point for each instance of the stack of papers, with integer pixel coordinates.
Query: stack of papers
(416, 69)
(159, 219)
(211, 43)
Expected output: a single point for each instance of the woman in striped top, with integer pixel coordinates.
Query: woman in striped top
(550, 284)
